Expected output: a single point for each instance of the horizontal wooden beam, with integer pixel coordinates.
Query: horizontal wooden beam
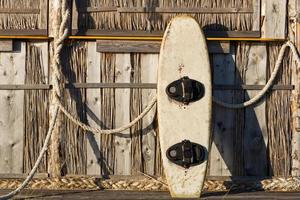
(138, 177)
(164, 10)
(23, 32)
(159, 34)
(19, 11)
(133, 86)
(25, 87)
(184, 10)
(97, 9)
(113, 46)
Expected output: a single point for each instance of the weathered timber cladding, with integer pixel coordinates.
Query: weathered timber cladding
(36, 104)
(127, 15)
(12, 71)
(23, 15)
(254, 141)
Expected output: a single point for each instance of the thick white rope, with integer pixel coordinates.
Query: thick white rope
(270, 82)
(111, 131)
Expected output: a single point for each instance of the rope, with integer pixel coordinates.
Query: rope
(112, 131)
(38, 161)
(270, 82)
(276, 184)
(62, 34)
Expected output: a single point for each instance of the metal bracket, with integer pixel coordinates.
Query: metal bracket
(185, 90)
(187, 154)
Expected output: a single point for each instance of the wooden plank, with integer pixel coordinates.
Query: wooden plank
(75, 10)
(25, 87)
(184, 10)
(12, 67)
(6, 45)
(128, 46)
(97, 9)
(149, 64)
(297, 10)
(147, 86)
(154, 195)
(214, 34)
(93, 110)
(19, 11)
(221, 160)
(113, 46)
(23, 32)
(275, 19)
(256, 15)
(255, 134)
(122, 106)
(43, 19)
(133, 86)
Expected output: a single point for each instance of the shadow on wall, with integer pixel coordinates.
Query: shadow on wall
(239, 147)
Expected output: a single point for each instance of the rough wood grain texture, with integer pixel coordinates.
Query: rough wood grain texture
(256, 15)
(128, 46)
(184, 10)
(36, 104)
(43, 19)
(93, 105)
(135, 110)
(241, 63)
(222, 150)
(279, 114)
(108, 63)
(296, 106)
(114, 46)
(75, 7)
(255, 136)
(6, 45)
(149, 65)
(275, 19)
(208, 33)
(153, 21)
(12, 67)
(122, 144)
(73, 142)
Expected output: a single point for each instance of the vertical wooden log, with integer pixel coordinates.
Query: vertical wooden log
(149, 64)
(54, 154)
(93, 110)
(221, 160)
(275, 19)
(36, 104)
(122, 116)
(12, 71)
(256, 137)
(296, 104)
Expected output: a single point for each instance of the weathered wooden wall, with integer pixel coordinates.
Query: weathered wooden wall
(249, 142)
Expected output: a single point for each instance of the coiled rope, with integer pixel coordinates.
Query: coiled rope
(61, 35)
